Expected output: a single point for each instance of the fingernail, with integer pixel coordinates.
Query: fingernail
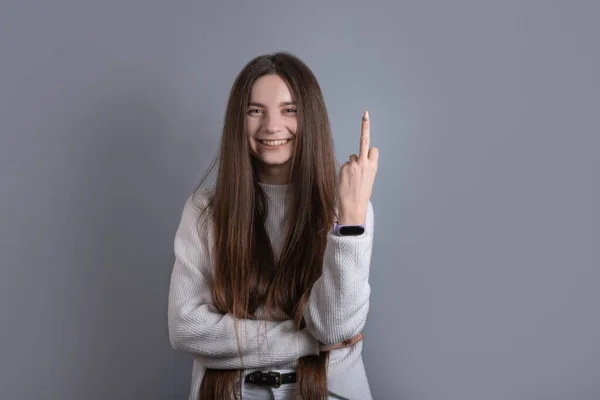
(366, 116)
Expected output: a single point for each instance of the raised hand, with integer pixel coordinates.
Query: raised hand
(356, 180)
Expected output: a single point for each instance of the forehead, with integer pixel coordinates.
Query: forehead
(270, 89)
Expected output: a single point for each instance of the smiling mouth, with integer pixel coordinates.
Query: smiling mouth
(274, 143)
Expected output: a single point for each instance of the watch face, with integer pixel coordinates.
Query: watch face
(352, 230)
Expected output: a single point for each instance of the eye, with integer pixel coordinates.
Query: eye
(290, 110)
(254, 111)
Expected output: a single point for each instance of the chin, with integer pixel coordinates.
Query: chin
(269, 162)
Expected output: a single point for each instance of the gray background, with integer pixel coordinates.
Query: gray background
(486, 263)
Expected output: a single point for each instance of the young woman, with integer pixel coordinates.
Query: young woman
(269, 290)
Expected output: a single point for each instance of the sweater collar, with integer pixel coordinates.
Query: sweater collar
(276, 191)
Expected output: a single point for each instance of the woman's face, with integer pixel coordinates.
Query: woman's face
(271, 122)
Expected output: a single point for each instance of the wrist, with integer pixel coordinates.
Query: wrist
(345, 218)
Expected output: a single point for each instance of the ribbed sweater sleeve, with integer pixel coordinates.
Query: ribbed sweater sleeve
(339, 300)
(198, 328)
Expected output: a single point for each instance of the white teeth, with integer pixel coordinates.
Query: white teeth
(274, 142)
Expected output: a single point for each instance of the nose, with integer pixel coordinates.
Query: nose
(272, 123)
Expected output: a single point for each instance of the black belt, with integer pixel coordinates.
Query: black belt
(270, 378)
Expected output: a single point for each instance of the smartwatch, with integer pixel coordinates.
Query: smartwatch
(348, 230)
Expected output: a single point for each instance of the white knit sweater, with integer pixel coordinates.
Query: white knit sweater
(336, 310)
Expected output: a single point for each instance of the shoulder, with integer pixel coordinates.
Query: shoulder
(196, 208)
(200, 198)
(193, 235)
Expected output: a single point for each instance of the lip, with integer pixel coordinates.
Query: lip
(267, 147)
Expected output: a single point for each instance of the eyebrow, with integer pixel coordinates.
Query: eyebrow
(282, 104)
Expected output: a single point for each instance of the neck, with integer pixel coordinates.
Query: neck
(274, 175)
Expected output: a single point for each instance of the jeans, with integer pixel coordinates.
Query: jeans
(284, 392)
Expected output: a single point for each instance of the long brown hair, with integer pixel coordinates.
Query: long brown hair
(247, 274)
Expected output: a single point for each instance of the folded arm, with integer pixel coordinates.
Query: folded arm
(198, 328)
